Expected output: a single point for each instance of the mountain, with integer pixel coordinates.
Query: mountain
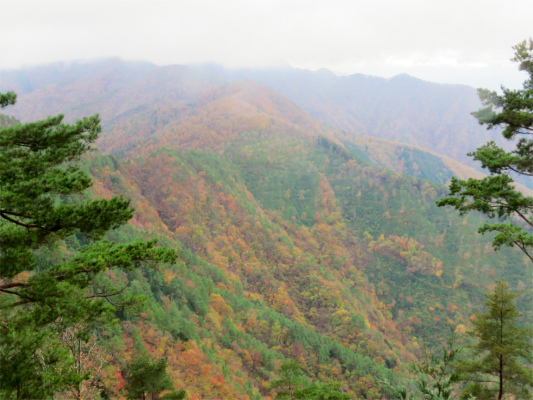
(403, 109)
(217, 118)
(109, 88)
(296, 240)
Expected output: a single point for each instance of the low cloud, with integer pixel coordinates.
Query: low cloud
(472, 39)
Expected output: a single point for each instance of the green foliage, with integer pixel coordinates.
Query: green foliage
(293, 384)
(289, 247)
(501, 350)
(41, 207)
(176, 395)
(424, 165)
(37, 176)
(147, 379)
(280, 176)
(321, 391)
(292, 379)
(7, 99)
(434, 377)
(33, 364)
(495, 195)
(399, 158)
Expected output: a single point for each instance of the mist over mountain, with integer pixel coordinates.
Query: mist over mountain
(302, 207)
(401, 109)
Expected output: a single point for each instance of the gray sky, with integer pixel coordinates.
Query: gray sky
(449, 41)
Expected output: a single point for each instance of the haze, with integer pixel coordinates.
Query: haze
(466, 42)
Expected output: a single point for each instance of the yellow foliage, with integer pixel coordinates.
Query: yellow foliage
(219, 305)
(169, 275)
(460, 329)
(213, 319)
(296, 252)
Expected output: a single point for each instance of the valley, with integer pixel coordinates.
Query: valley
(301, 206)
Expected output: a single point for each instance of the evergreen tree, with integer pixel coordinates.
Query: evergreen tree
(501, 351)
(434, 377)
(495, 195)
(146, 378)
(41, 204)
(7, 99)
(321, 391)
(175, 395)
(294, 386)
(292, 378)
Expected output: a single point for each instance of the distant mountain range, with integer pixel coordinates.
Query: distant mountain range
(302, 205)
(137, 99)
(402, 109)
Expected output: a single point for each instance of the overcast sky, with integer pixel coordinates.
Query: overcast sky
(448, 41)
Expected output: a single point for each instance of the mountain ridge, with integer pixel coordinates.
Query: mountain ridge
(294, 240)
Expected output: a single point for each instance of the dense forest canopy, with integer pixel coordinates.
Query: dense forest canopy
(294, 259)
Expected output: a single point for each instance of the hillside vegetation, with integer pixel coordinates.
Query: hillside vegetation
(295, 240)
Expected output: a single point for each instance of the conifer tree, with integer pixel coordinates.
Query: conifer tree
(433, 376)
(292, 378)
(495, 195)
(41, 204)
(147, 379)
(321, 391)
(293, 385)
(502, 348)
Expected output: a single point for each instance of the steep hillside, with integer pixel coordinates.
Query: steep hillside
(414, 161)
(294, 241)
(403, 109)
(341, 238)
(219, 117)
(350, 269)
(109, 88)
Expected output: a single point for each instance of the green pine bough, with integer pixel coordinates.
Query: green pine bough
(501, 353)
(495, 195)
(433, 378)
(294, 385)
(42, 203)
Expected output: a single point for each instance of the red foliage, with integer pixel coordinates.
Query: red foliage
(121, 381)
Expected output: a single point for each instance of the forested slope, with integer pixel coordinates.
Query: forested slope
(293, 242)
(404, 109)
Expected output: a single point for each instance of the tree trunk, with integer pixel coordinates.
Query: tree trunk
(500, 395)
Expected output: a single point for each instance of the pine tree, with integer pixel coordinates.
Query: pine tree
(292, 378)
(433, 376)
(41, 204)
(495, 195)
(501, 351)
(321, 391)
(147, 379)
(295, 386)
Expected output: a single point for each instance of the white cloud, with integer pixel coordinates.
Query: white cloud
(374, 37)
